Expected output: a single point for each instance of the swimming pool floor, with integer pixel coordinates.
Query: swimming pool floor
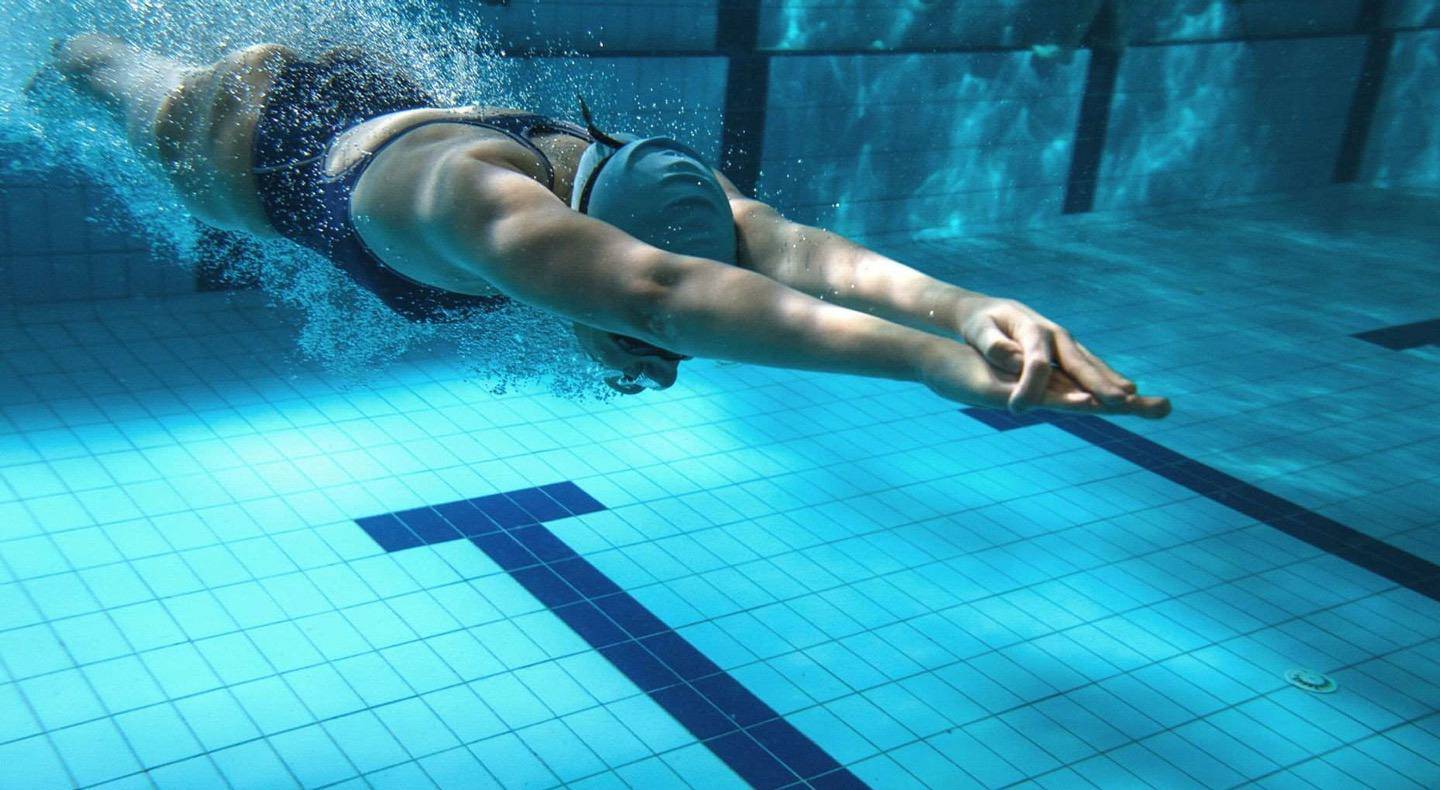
(221, 567)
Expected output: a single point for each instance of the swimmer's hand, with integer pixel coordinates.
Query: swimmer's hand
(1033, 350)
(958, 372)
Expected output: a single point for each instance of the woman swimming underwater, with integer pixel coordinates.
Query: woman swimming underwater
(654, 256)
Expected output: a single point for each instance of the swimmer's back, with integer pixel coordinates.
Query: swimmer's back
(205, 132)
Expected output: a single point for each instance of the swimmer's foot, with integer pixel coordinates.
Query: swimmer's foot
(75, 58)
(44, 80)
(82, 55)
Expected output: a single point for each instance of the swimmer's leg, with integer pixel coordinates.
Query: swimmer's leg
(196, 122)
(133, 83)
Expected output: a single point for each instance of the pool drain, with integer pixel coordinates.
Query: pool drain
(1310, 680)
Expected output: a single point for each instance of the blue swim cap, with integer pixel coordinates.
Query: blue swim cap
(660, 191)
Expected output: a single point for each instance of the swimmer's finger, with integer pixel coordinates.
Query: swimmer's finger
(1149, 408)
(1088, 371)
(1035, 370)
(998, 348)
(1125, 384)
(1064, 393)
(1082, 402)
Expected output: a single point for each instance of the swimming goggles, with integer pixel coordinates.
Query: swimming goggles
(628, 384)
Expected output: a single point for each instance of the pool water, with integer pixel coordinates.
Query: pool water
(258, 532)
(220, 566)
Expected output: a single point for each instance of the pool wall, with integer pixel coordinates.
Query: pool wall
(905, 119)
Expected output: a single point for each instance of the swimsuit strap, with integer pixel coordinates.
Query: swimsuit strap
(518, 127)
(522, 128)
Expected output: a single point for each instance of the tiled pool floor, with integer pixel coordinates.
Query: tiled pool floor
(772, 575)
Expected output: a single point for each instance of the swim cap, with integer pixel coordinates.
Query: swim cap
(660, 191)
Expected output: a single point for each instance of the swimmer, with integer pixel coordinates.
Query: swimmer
(654, 256)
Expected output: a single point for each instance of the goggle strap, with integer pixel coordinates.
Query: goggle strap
(592, 129)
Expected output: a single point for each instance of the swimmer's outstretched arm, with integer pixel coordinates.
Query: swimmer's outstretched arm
(512, 231)
(1013, 337)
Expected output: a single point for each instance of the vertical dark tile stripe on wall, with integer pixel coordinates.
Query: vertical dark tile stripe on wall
(738, 727)
(747, 88)
(1367, 90)
(1088, 145)
(1089, 142)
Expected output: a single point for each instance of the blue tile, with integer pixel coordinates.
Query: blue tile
(562, 752)
(630, 615)
(643, 669)
(542, 543)
(216, 719)
(546, 585)
(732, 697)
(748, 759)
(389, 532)
(693, 711)
(505, 551)
(428, 525)
(585, 578)
(1374, 555)
(798, 752)
(680, 655)
(593, 625)
(1002, 420)
(312, 756)
(32, 762)
(502, 511)
(416, 726)
(95, 752)
(512, 762)
(272, 705)
(195, 772)
(158, 734)
(468, 519)
(572, 498)
(838, 780)
(366, 741)
(409, 775)
(507, 529)
(537, 504)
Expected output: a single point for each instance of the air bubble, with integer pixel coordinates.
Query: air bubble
(448, 49)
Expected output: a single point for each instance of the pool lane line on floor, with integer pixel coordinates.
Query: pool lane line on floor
(1322, 532)
(1403, 336)
(737, 726)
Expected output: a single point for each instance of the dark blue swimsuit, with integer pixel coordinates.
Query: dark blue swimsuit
(310, 104)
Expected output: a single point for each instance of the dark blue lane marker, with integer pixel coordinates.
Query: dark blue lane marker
(1323, 533)
(1399, 338)
(738, 727)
